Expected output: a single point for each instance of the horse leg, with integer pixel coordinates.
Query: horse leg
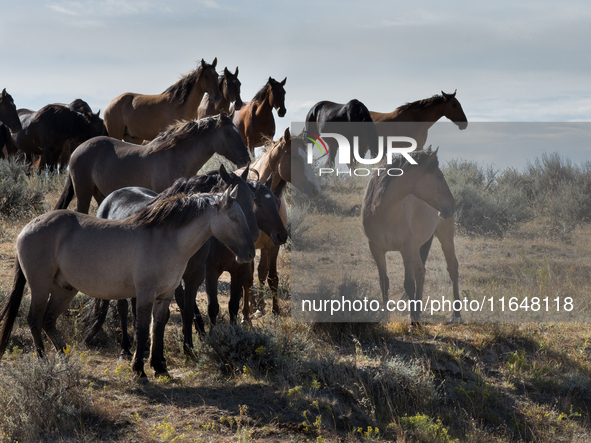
(35, 318)
(47, 152)
(211, 287)
(379, 257)
(237, 278)
(192, 284)
(58, 304)
(411, 266)
(160, 317)
(144, 303)
(247, 286)
(123, 309)
(263, 272)
(273, 279)
(99, 312)
(445, 234)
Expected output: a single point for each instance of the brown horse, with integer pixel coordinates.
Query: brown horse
(255, 120)
(103, 164)
(53, 129)
(8, 114)
(402, 214)
(420, 116)
(6, 142)
(230, 90)
(136, 117)
(143, 256)
(282, 160)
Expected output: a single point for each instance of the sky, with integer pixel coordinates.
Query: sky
(510, 61)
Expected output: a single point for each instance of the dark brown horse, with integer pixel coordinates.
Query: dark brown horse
(326, 116)
(403, 214)
(137, 117)
(7, 146)
(255, 120)
(417, 117)
(54, 127)
(103, 164)
(230, 90)
(8, 114)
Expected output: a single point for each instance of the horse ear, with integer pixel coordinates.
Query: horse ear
(444, 95)
(434, 153)
(224, 174)
(98, 114)
(226, 72)
(215, 62)
(287, 135)
(454, 94)
(232, 112)
(244, 175)
(283, 81)
(269, 181)
(236, 72)
(278, 191)
(4, 93)
(202, 63)
(429, 149)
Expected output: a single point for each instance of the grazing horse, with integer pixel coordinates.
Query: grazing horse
(402, 214)
(103, 164)
(230, 90)
(126, 201)
(419, 116)
(8, 114)
(144, 256)
(137, 117)
(281, 160)
(255, 120)
(327, 116)
(6, 141)
(47, 131)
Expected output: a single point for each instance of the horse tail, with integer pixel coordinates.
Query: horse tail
(67, 195)
(12, 306)
(424, 250)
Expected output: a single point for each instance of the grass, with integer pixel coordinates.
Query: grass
(281, 380)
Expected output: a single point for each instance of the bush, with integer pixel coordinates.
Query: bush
(20, 195)
(40, 398)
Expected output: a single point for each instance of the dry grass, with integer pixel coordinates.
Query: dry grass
(292, 381)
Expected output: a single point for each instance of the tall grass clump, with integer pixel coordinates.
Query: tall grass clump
(40, 399)
(21, 195)
(487, 202)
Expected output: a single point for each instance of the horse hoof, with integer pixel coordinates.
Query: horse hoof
(142, 379)
(455, 319)
(164, 373)
(125, 356)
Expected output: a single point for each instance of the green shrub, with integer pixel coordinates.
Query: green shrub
(20, 195)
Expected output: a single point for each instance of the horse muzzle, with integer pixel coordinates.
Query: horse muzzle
(246, 255)
(281, 112)
(447, 210)
(279, 238)
(238, 105)
(462, 125)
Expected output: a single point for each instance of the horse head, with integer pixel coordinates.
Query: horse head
(209, 80)
(8, 114)
(277, 95)
(230, 88)
(453, 110)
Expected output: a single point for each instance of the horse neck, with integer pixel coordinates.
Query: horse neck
(191, 237)
(268, 163)
(264, 107)
(428, 116)
(192, 154)
(189, 109)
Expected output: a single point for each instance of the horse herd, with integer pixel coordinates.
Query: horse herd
(158, 223)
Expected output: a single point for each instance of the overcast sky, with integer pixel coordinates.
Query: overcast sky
(510, 61)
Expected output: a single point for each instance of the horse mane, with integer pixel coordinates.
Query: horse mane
(176, 211)
(182, 130)
(378, 184)
(181, 89)
(260, 95)
(194, 185)
(424, 103)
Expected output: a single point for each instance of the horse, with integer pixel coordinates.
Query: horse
(261, 207)
(62, 252)
(137, 117)
(326, 116)
(7, 142)
(103, 164)
(255, 119)
(47, 131)
(230, 89)
(403, 214)
(281, 160)
(417, 117)
(126, 201)
(8, 114)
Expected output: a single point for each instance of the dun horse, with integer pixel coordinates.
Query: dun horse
(282, 160)
(419, 116)
(324, 115)
(230, 90)
(255, 120)
(402, 214)
(63, 252)
(136, 117)
(53, 129)
(103, 164)
(8, 114)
